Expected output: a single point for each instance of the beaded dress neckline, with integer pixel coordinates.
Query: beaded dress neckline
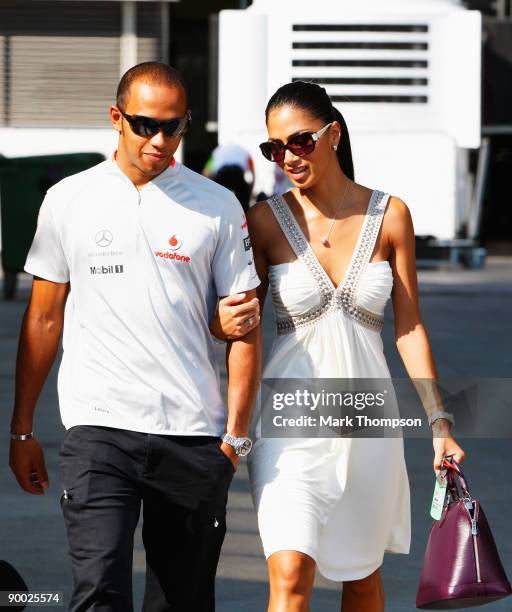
(342, 296)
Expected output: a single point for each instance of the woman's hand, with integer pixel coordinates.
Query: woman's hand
(235, 317)
(444, 444)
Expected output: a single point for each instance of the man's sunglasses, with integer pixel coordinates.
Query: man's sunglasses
(300, 145)
(148, 127)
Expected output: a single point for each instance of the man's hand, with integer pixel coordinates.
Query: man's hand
(229, 451)
(26, 460)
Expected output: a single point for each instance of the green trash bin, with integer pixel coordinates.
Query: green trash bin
(24, 182)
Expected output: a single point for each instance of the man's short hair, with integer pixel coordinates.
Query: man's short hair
(150, 72)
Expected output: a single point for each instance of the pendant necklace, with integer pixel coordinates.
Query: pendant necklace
(325, 241)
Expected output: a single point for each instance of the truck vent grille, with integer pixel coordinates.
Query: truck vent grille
(364, 63)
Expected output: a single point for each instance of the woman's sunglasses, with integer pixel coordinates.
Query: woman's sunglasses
(300, 145)
(148, 127)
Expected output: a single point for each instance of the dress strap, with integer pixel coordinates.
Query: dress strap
(375, 216)
(283, 217)
(298, 242)
(366, 245)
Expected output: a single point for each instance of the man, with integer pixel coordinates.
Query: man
(229, 155)
(127, 258)
(231, 166)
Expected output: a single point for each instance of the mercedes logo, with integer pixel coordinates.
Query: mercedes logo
(104, 238)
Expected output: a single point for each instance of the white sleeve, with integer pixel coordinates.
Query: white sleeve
(46, 257)
(233, 263)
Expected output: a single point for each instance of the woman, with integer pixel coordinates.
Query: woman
(333, 252)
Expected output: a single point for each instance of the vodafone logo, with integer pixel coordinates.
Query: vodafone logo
(174, 243)
(172, 256)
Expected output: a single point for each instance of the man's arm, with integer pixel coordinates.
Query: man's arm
(243, 359)
(40, 334)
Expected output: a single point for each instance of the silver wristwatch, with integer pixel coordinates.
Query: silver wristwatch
(441, 414)
(242, 446)
(28, 436)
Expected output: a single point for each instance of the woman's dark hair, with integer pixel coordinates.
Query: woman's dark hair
(315, 100)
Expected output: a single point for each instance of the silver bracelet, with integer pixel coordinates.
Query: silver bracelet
(22, 436)
(441, 414)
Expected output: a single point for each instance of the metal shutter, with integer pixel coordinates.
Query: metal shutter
(62, 68)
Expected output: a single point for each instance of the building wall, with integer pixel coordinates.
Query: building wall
(60, 64)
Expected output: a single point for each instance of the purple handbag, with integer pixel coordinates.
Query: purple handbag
(462, 568)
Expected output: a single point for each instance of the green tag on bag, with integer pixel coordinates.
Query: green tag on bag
(439, 496)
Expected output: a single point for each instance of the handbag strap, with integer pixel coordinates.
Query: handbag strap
(454, 475)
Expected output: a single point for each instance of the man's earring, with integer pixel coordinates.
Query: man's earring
(335, 147)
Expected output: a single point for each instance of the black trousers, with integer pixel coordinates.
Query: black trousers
(182, 482)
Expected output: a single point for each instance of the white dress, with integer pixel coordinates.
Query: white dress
(343, 501)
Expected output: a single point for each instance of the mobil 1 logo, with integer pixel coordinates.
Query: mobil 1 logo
(100, 270)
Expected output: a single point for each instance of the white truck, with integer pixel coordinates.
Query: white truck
(406, 75)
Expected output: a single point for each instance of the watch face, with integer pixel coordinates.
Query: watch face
(244, 448)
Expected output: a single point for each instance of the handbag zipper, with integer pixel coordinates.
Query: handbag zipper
(474, 532)
(477, 558)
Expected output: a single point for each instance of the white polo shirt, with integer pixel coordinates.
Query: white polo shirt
(144, 267)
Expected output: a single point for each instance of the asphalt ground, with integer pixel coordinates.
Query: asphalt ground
(467, 315)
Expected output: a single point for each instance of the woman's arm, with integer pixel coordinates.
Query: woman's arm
(410, 334)
(235, 316)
